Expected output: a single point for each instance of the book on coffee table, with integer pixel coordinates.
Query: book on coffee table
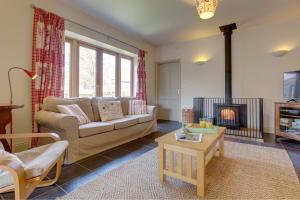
(188, 137)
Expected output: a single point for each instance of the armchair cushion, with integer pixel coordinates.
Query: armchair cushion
(5, 177)
(36, 161)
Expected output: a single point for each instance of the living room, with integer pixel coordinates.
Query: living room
(139, 73)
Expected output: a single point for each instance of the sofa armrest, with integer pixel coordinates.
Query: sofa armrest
(61, 122)
(152, 110)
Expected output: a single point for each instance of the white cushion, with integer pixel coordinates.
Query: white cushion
(5, 177)
(76, 111)
(95, 101)
(137, 107)
(110, 110)
(124, 122)
(1, 146)
(142, 118)
(95, 128)
(35, 161)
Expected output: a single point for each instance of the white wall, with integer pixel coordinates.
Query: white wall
(256, 73)
(16, 19)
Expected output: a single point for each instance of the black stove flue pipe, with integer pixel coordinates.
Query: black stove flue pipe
(227, 31)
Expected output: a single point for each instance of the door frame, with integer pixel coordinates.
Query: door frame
(156, 82)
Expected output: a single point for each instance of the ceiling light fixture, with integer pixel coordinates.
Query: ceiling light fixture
(206, 8)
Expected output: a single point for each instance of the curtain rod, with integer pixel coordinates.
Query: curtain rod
(99, 32)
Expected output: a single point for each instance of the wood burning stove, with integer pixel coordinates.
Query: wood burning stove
(232, 116)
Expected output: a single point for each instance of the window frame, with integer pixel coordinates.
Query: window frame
(88, 46)
(131, 59)
(74, 68)
(70, 63)
(116, 70)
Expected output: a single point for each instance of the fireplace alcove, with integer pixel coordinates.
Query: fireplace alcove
(241, 116)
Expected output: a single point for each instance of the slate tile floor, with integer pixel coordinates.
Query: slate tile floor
(84, 171)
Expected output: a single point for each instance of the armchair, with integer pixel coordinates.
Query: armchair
(24, 171)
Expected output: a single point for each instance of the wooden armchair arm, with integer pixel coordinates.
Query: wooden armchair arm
(54, 136)
(13, 166)
(16, 168)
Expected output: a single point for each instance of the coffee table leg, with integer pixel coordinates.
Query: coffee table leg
(161, 162)
(200, 174)
(221, 150)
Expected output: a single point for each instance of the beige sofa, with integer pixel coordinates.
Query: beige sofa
(89, 139)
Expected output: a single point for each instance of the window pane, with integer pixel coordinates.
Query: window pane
(67, 69)
(109, 75)
(125, 77)
(87, 72)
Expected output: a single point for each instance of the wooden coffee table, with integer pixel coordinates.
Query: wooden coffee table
(202, 151)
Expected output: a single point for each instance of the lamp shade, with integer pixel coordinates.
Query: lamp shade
(206, 8)
(30, 74)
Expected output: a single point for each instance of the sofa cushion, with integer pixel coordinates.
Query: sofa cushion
(74, 110)
(94, 128)
(124, 122)
(95, 105)
(142, 118)
(36, 161)
(110, 110)
(50, 104)
(137, 107)
(125, 103)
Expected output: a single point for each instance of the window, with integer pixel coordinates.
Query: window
(67, 69)
(94, 71)
(109, 75)
(126, 77)
(87, 72)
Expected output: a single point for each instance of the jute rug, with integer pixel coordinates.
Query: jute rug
(246, 172)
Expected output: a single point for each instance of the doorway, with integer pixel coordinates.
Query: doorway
(168, 90)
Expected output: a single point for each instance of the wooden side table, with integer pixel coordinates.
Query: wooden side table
(5, 119)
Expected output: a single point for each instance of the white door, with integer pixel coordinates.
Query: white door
(168, 86)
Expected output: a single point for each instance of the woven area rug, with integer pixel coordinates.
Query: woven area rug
(246, 172)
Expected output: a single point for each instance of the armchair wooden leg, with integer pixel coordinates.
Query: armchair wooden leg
(20, 192)
(57, 174)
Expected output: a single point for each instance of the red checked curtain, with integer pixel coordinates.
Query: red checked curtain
(141, 76)
(47, 59)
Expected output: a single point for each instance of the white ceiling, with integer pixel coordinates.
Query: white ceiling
(162, 22)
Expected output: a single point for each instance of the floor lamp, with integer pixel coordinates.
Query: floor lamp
(29, 74)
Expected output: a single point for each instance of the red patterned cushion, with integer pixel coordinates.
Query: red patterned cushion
(137, 107)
